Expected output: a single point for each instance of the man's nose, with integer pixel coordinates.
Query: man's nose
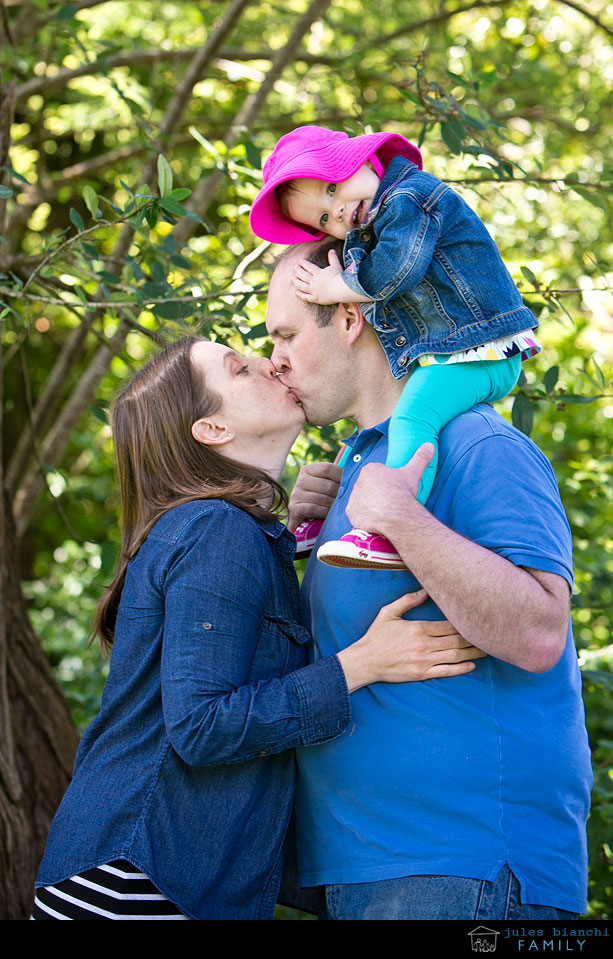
(279, 361)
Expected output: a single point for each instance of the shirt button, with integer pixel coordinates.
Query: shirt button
(206, 626)
(401, 341)
(357, 458)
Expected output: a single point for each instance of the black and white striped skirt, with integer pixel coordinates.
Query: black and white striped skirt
(117, 890)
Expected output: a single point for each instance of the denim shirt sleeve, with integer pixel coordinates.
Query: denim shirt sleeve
(406, 238)
(216, 593)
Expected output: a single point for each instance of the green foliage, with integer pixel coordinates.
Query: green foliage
(107, 231)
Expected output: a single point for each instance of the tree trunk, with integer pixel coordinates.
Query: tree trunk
(37, 740)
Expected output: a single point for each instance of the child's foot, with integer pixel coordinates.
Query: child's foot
(360, 549)
(306, 535)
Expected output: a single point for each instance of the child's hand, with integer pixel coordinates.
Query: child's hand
(321, 286)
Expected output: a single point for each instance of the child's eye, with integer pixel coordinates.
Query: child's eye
(324, 218)
(331, 188)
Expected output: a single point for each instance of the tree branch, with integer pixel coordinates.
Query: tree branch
(244, 119)
(59, 435)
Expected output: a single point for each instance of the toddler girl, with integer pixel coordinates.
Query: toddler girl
(431, 279)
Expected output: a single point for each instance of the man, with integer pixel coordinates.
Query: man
(461, 798)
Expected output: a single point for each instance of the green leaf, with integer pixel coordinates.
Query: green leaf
(77, 220)
(577, 398)
(254, 155)
(551, 378)
(126, 187)
(90, 250)
(257, 331)
(99, 413)
(457, 127)
(450, 138)
(18, 176)
(5, 192)
(599, 374)
(67, 12)
(407, 95)
(529, 275)
(177, 260)
(208, 146)
(181, 193)
(91, 200)
(108, 277)
(171, 206)
(151, 215)
(422, 135)
(522, 414)
(164, 175)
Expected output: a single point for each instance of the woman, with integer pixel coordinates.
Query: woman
(183, 784)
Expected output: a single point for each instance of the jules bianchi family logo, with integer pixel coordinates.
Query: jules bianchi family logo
(483, 939)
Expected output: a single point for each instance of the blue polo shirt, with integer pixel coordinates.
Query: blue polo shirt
(454, 776)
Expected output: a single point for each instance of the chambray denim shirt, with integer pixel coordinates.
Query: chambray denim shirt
(433, 271)
(189, 769)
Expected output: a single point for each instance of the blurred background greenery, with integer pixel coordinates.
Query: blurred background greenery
(108, 250)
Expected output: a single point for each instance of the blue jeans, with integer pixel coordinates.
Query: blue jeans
(435, 897)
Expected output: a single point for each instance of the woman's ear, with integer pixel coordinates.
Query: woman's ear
(211, 434)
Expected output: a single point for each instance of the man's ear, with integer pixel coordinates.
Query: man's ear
(211, 434)
(353, 321)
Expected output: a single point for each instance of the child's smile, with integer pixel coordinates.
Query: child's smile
(334, 208)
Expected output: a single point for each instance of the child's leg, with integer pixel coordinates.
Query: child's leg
(434, 395)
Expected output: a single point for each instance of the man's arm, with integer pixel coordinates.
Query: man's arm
(519, 615)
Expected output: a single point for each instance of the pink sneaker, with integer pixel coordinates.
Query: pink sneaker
(306, 535)
(360, 549)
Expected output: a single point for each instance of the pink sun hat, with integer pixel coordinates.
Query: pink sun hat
(318, 154)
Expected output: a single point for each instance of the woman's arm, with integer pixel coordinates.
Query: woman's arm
(217, 593)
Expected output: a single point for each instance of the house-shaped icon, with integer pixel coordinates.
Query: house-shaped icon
(483, 939)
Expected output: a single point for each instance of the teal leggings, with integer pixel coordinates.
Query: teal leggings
(433, 396)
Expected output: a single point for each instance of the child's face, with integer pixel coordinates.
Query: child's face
(334, 208)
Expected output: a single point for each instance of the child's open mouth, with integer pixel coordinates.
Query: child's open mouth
(357, 213)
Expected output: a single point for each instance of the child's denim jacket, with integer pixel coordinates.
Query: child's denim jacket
(433, 271)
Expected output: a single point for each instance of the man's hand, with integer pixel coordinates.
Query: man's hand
(378, 486)
(314, 493)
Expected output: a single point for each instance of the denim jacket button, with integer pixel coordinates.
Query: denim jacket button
(401, 341)
(403, 360)
(365, 235)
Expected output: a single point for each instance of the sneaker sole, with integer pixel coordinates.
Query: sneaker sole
(351, 561)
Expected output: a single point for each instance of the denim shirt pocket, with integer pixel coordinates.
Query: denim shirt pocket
(281, 649)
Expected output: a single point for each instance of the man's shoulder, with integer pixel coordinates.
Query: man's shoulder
(479, 424)
(482, 449)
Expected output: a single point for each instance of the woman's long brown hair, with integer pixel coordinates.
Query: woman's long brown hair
(161, 465)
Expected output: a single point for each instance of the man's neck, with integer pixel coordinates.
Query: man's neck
(377, 398)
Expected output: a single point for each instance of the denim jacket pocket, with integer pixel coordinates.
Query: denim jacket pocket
(281, 648)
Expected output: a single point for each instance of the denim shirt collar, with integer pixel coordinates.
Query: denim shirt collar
(394, 173)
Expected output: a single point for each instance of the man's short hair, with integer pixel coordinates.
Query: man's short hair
(318, 254)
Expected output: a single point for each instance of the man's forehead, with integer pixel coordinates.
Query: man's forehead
(286, 312)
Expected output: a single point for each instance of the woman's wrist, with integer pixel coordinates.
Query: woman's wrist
(357, 664)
